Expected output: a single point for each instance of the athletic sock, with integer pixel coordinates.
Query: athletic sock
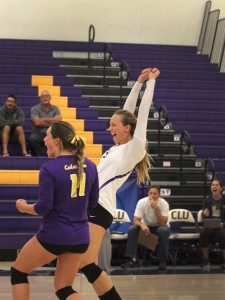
(111, 295)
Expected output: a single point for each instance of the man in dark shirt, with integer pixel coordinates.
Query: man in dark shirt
(11, 125)
(42, 116)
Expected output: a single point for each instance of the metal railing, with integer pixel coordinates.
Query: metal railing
(210, 32)
(204, 23)
(208, 162)
(212, 37)
(107, 49)
(222, 63)
(91, 38)
(123, 66)
(162, 121)
(185, 140)
(218, 44)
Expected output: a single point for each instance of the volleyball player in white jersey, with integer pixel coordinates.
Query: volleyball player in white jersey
(116, 164)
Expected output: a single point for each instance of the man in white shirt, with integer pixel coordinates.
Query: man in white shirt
(150, 216)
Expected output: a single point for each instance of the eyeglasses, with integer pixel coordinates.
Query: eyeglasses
(45, 96)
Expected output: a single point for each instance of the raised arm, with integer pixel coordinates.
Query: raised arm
(131, 100)
(142, 120)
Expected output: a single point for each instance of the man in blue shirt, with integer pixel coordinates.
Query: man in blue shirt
(42, 116)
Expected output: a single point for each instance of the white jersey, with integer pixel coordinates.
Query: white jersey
(118, 162)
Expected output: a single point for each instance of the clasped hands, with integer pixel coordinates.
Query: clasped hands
(149, 73)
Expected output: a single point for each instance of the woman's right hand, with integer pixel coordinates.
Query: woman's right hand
(144, 75)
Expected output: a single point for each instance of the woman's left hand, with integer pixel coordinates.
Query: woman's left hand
(154, 73)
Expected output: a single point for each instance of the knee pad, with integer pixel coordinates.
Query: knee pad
(65, 292)
(18, 277)
(92, 272)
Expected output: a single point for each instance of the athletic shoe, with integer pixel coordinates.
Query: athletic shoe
(162, 265)
(205, 264)
(130, 264)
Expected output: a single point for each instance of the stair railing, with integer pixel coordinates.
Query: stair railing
(185, 137)
(208, 162)
(91, 38)
(107, 49)
(123, 65)
(204, 25)
(162, 121)
(210, 31)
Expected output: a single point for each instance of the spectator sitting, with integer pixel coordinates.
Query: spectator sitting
(42, 116)
(151, 216)
(11, 125)
(213, 207)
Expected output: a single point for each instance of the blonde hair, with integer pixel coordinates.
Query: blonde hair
(67, 135)
(144, 165)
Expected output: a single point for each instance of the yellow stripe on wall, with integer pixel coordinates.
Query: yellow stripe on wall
(68, 112)
(95, 160)
(25, 176)
(78, 124)
(59, 101)
(37, 80)
(87, 135)
(53, 90)
(94, 150)
(18, 177)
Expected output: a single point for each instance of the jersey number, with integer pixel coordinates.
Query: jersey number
(81, 186)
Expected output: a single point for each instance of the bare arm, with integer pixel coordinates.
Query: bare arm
(131, 101)
(56, 118)
(144, 227)
(45, 122)
(142, 119)
(24, 207)
(161, 220)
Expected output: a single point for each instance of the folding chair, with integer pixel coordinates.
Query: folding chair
(120, 217)
(118, 234)
(184, 236)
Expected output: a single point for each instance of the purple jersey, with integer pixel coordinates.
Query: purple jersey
(64, 204)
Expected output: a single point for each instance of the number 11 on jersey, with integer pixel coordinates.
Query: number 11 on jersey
(74, 186)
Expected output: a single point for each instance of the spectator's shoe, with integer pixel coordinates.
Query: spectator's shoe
(162, 265)
(5, 154)
(223, 265)
(27, 154)
(205, 264)
(130, 264)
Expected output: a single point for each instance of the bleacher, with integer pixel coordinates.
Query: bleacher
(88, 93)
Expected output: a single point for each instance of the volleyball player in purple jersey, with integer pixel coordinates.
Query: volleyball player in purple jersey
(115, 166)
(68, 184)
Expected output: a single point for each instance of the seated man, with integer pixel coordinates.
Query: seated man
(151, 216)
(42, 116)
(11, 125)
